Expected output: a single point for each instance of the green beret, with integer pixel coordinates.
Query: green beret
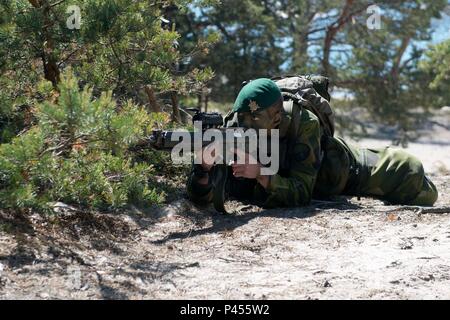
(256, 95)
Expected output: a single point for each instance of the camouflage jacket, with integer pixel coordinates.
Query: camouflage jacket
(302, 172)
(319, 166)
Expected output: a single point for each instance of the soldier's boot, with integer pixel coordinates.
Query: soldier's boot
(428, 195)
(399, 178)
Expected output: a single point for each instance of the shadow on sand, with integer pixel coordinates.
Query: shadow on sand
(229, 222)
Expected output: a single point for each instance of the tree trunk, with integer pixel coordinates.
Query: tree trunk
(153, 103)
(326, 52)
(35, 3)
(199, 101)
(398, 59)
(175, 108)
(206, 100)
(345, 16)
(51, 70)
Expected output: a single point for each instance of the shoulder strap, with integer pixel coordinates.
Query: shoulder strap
(290, 99)
(293, 110)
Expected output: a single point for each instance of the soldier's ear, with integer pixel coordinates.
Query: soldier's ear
(279, 104)
(276, 107)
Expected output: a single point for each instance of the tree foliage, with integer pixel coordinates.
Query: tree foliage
(122, 46)
(248, 45)
(77, 153)
(137, 58)
(62, 144)
(436, 69)
(382, 68)
(266, 38)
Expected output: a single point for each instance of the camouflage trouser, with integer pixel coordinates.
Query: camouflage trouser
(391, 175)
(388, 174)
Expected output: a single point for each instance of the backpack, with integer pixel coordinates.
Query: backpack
(311, 93)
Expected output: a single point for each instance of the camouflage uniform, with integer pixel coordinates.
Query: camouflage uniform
(315, 166)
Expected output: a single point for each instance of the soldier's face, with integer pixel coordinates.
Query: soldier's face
(269, 118)
(275, 112)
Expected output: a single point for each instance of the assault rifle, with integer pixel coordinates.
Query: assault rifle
(218, 175)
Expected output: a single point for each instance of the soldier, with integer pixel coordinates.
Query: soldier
(312, 165)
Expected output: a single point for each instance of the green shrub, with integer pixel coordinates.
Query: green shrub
(77, 153)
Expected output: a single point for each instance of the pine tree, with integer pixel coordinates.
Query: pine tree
(383, 68)
(435, 69)
(123, 46)
(77, 153)
(248, 46)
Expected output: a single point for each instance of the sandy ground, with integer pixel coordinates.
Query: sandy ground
(352, 249)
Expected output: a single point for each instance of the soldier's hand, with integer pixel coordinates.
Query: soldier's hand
(207, 156)
(246, 166)
(251, 169)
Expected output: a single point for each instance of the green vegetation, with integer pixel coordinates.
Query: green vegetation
(74, 100)
(63, 143)
(436, 68)
(78, 153)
